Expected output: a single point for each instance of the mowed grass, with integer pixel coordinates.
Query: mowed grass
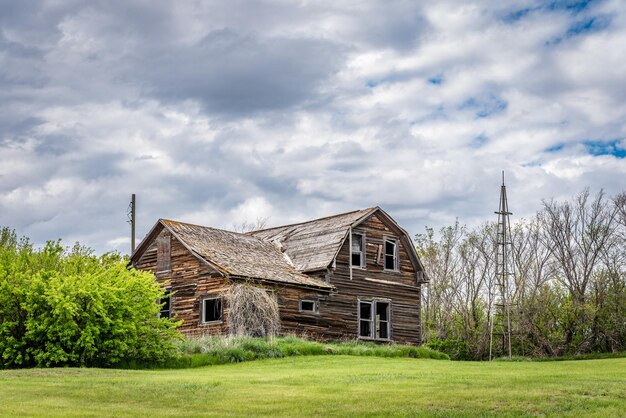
(325, 386)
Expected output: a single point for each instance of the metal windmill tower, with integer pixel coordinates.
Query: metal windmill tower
(504, 270)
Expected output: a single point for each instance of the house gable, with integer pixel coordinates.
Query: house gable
(376, 232)
(384, 228)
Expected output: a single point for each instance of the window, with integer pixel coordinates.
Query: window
(374, 319)
(365, 319)
(211, 310)
(307, 305)
(358, 250)
(391, 255)
(164, 262)
(165, 304)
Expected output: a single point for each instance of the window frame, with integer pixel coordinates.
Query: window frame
(362, 252)
(316, 306)
(203, 310)
(396, 255)
(164, 254)
(373, 323)
(168, 294)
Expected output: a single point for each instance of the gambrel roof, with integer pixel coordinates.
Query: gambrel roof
(313, 245)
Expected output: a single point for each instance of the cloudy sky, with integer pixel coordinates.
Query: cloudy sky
(219, 112)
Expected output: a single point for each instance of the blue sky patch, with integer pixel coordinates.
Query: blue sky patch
(517, 15)
(484, 107)
(571, 7)
(596, 147)
(436, 80)
(575, 6)
(593, 24)
(555, 148)
(612, 147)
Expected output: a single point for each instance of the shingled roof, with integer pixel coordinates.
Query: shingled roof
(281, 254)
(314, 244)
(240, 255)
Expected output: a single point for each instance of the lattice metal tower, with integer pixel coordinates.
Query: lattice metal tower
(504, 270)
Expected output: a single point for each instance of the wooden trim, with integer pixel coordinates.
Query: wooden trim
(284, 284)
(316, 306)
(396, 254)
(369, 279)
(372, 301)
(203, 299)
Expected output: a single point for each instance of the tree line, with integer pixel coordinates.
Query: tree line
(566, 293)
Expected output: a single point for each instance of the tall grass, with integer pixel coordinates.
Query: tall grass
(211, 350)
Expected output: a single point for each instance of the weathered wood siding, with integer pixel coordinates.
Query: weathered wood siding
(191, 281)
(338, 312)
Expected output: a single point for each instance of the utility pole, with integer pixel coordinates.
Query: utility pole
(132, 220)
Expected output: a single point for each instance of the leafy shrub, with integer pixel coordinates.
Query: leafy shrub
(61, 308)
(456, 349)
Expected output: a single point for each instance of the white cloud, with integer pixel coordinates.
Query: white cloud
(222, 113)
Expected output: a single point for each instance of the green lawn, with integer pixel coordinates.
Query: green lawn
(325, 386)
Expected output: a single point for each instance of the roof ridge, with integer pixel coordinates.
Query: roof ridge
(312, 220)
(207, 227)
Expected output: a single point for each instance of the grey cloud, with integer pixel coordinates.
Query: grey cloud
(233, 73)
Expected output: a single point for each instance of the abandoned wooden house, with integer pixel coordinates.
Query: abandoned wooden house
(352, 275)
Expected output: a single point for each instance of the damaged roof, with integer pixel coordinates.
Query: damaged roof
(281, 254)
(240, 255)
(313, 245)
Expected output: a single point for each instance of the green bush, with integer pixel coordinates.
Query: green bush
(70, 308)
(456, 349)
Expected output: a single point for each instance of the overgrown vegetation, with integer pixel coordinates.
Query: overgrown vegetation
(568, 296)
(252, 311)
(212, 350)
(70, 308)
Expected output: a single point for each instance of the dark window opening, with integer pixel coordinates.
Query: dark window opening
(212, 310)
(165, 304)
(164, 259)
(382, 320)
(391, 251)
(374, 320)
(358, 250)
(308, 306)
(365, 319)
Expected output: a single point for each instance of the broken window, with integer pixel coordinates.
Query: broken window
(365, 319)
(211, 310)
(309, 306)
(382, 320)
(374, 319)
(358, 250)
(164, 262)
(391, 255)
(165, 304)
